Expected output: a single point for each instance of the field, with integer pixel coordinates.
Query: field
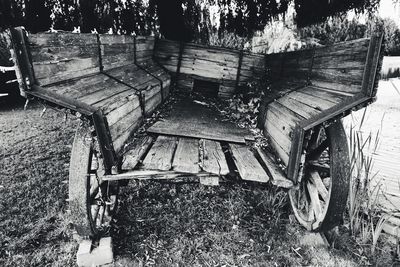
(157, 224)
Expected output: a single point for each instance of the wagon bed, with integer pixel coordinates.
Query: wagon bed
(115, 82)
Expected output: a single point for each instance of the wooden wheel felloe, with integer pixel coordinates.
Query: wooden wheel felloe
(320, 198)
(92, 201)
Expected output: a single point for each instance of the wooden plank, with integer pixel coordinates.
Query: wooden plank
(157, 175)
(107, 89)
(343, 48)
(317, 182)
(105, 143)
(248, 166)
(117, 100)
(375, 56)
(161, 153)
(298, 107)
(311, 100)
(213, 158)
(314, 201)
(133, 156)
(326, 95)
(123, 110)
(341, 87)
(152, 103)
(80, 86)
(62, 56)
(278, 178)
(125, 122)
(190, 119)
(186, 157)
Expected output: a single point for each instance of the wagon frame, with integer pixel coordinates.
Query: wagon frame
(300, 114)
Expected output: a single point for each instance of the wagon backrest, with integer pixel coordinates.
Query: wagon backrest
(297, 64)
(289, 65)
(116, 50)
(61, 56)
(340, 67)
(144, 48)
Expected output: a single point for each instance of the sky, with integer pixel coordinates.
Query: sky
(388, 9)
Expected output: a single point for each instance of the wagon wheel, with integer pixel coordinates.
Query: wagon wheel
(320, 198)
(92, 202)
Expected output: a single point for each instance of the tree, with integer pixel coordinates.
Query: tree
(392, 37)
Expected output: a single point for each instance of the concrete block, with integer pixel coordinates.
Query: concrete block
(95, 253)
(314, 240)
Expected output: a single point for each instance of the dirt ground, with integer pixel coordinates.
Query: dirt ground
(157, 224)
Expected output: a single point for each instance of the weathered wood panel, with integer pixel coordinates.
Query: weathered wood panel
(210, 63)
(62, 56)
(116, 50)
(278, 177)
(213, 158)
(133, 156)
(186, 157)
(340, 66)
(125, 123)
(191, 119)
(248, 166)
(161, 153)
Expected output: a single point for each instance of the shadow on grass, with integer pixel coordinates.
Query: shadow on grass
(194, 225)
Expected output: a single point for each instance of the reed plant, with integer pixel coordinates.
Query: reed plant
(366, 218)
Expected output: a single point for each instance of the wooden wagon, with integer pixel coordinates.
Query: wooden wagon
(113, 83)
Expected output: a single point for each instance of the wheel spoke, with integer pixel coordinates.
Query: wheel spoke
(313, 165)
(316, 153)
(326, 181)
(317, 181)
(315, 203)
(315, 137)
(94, 209)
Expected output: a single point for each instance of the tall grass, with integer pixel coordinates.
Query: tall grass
(366, 219)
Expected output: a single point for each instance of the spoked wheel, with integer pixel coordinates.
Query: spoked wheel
(92, 201)
(320, 198)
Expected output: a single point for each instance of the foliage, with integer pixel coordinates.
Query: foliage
(178, 19)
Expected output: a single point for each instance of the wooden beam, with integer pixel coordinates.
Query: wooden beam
(371, 70)
(213, 158)
(186, 157)
(277, 175)
(161, 154)
(22, 58)
(133, 156)
(104, 139)
(247, 164)
(155, 175)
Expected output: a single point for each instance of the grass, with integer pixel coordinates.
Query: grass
(157, 224)
(365, 216)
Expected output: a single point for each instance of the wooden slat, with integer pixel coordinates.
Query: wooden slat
(161, 153)
(123, 110)
(317, 181)
(132, 157)
(248, 166)
(213, 158)
(186, 157)
(278, 178)
(315, 203)
(126, 122)
(190, 119)
(62, 56)
(158, 175)
(298, 107)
